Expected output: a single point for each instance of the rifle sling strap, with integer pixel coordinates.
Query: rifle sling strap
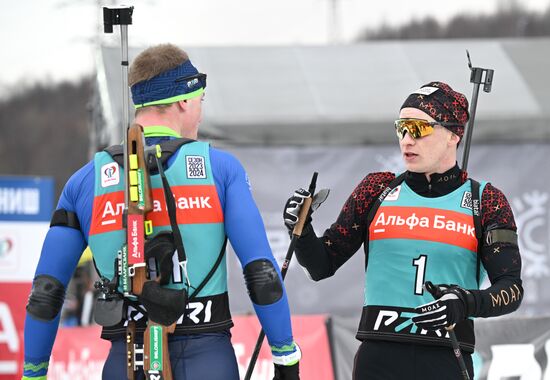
(178, 240)
(171, 206)
(476, 210)
(168, 147)
(372, 212)
(211, 273)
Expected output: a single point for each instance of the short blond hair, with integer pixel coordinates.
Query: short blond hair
(154, 61)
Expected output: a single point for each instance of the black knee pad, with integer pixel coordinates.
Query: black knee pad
(46, 298)
(262, 282)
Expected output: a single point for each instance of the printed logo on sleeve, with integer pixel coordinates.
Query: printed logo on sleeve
(110, 174)
(196, 167)
(466, 200)
(247, 180)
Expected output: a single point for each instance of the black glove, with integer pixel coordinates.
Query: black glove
(295, 202)
(449, 308)
(283, 372)
(293, 206)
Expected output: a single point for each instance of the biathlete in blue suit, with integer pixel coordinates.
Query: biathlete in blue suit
(214, 203)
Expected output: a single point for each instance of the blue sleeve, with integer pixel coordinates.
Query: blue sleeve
(61, 251)
(246, 232)
(78, 196)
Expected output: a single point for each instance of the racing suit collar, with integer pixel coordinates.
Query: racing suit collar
(439, 184)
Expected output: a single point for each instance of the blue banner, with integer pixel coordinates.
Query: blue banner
(26, 198)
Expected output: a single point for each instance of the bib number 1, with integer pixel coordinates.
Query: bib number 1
(420, 264)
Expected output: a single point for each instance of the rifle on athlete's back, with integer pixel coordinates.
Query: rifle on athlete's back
(134, 268)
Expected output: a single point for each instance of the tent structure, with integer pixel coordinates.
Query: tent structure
(286, 112)
(348, 94)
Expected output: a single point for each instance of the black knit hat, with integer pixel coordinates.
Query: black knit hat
(442, 103)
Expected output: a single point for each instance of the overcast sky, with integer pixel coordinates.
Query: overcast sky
(53, 40)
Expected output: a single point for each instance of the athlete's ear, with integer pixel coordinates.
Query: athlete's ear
(182, 105)
(454, 139)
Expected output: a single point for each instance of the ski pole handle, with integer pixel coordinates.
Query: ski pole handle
(304, 210)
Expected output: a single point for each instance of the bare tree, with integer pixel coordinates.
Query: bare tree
(45, 130)
(510, 20)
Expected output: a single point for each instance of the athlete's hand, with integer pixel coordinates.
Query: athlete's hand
(293, 206)
(286, 360)
(295, 202)
(449, 308)
(283, 372)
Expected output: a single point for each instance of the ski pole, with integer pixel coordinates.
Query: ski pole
(296, 233)
(436, 293)
(477, 78)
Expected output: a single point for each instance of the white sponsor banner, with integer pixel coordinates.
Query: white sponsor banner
(20, 246)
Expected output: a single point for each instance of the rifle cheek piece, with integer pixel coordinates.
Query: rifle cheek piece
(164, 305)
(46, 298)
(162, 248)
(262, 282)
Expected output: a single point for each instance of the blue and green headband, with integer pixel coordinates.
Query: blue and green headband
(180, 83)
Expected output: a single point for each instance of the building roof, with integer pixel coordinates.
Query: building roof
(350, 94)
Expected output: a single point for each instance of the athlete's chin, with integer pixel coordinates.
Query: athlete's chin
(414, 167)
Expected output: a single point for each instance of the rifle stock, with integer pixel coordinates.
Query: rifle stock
(156, 360)
(140, 202)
